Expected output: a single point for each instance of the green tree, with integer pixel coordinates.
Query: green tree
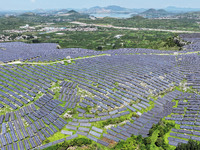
(161, 133)
(159, 142)
(147, 140)
(191, 145)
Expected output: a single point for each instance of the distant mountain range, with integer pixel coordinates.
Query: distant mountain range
(154, 11)
(111, 9)
(147, 13)
(172, 12)
(118, 9)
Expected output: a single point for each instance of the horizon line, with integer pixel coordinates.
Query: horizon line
(1, 9)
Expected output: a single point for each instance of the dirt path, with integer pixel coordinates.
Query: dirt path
(50, 63)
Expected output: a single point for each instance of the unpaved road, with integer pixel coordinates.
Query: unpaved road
(134, 29)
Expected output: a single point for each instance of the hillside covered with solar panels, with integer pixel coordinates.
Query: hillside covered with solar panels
(49, 96)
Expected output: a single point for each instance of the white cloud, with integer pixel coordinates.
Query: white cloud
(33, 1)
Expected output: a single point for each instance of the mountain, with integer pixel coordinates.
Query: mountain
(39, 11)
(116, 8)
(61, 11)
(72, 15)
(72, 12)
(108, 9)
(97, 9)
(153, 13)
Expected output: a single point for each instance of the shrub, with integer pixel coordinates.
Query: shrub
(65, 145)
(80, 142)
(47, 141)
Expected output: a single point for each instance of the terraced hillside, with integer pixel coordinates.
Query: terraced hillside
(106, 98)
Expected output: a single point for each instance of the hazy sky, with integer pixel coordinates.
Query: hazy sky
(49, 4)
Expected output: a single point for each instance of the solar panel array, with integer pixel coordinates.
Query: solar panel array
(35, 99)
(115, 91)
(12, 51)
